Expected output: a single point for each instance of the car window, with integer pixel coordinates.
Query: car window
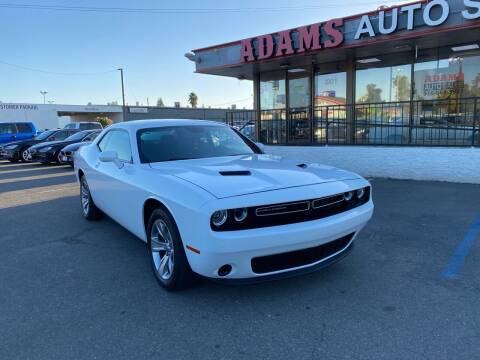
(91, 137)
(78, 136)
(8, 129)
(24, 128)
(119, 141)
(191, 142)
(70, 126)
(60, 135)
(44, 135)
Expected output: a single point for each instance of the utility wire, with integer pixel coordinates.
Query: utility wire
(182, 10)
(54, 72)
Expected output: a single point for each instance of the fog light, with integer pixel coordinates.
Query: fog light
(360, 193)
(219, 218)
(240, 214)
(348, 196)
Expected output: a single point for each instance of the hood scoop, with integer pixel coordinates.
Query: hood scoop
(235, 173)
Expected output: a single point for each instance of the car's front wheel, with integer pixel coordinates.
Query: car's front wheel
(24, 155)
(89, 210)
(169, 261)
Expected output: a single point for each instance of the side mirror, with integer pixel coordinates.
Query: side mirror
(260, 146)
(110, 156)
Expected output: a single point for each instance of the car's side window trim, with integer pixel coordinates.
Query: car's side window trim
(129, 144)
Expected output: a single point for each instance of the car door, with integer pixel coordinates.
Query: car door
(111, 185)
(25, 131)
(8, 132)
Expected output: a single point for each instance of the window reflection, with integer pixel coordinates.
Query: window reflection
(386, 84)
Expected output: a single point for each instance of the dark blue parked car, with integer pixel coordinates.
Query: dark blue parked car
(14, 131)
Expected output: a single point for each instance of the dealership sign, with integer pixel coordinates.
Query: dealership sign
(332, 33)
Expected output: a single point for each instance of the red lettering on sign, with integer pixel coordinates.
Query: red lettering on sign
(265, 47)
(246, 51)
(309, 38)
(335, 34)
(284, 43)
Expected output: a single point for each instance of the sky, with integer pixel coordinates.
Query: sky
(73, 55)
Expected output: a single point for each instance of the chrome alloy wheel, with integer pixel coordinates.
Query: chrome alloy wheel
(85, 197)
(162, 250)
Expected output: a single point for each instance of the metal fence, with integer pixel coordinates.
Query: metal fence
(452, 122)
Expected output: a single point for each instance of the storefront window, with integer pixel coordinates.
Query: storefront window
(456, 77)
(331, 89)
(272, 91)
(273, 119)
(299, 98)
(386, 84)
(330, 112)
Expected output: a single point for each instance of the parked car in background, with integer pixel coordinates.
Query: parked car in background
(18, 150)
(93, 125)
(49, 151)
(208, 201)
(68, 152)
(12, 131)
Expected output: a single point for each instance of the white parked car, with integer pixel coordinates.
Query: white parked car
(206, 200)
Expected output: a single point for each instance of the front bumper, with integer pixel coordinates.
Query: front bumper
(42, 156)
(66, 157)
(8, 154)
(239, 248)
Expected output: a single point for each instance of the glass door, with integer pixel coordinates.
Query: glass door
(299, 103)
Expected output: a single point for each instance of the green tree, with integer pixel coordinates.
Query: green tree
(193, 99)
(373, 95)
(160, 102)
(402, 87)
(105, 121)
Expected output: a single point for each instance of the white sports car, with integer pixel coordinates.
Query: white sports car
(206, 200)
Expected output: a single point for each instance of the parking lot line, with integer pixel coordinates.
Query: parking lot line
(462, 251)
(34, 177)
(30, 169)
(31, 196)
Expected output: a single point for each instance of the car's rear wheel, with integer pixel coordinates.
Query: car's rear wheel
(169, 261)
(89, 209)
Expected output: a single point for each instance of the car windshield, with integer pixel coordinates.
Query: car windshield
(171, 143)
(44, 135)
(77, 136)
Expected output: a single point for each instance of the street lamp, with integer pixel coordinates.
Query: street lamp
(123, 93)
(44, 93)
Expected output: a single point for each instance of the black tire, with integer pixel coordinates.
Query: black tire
(181, 275)
(23, 155)
(57, 158)
(90, 211)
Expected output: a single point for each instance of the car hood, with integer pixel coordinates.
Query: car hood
(76, 146)
(50, 143)
(240, 175)
(21, 143)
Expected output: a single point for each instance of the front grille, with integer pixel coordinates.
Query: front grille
(293, 212)
(283, 209)
(293, 259)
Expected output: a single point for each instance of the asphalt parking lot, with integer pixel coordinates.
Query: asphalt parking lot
(71, 289)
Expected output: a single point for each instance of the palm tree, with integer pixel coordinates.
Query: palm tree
(193, 99)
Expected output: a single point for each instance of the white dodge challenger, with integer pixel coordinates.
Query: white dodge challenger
(206, 200)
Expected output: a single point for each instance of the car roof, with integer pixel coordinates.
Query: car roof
(153, 123)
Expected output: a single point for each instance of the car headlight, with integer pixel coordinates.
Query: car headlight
(219, 218)
(11, 147)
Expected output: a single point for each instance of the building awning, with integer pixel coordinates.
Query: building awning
(389, 30)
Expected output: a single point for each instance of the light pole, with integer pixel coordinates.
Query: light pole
(123, 94)
(44, 93)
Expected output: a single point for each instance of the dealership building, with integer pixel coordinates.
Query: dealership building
(402, 81)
